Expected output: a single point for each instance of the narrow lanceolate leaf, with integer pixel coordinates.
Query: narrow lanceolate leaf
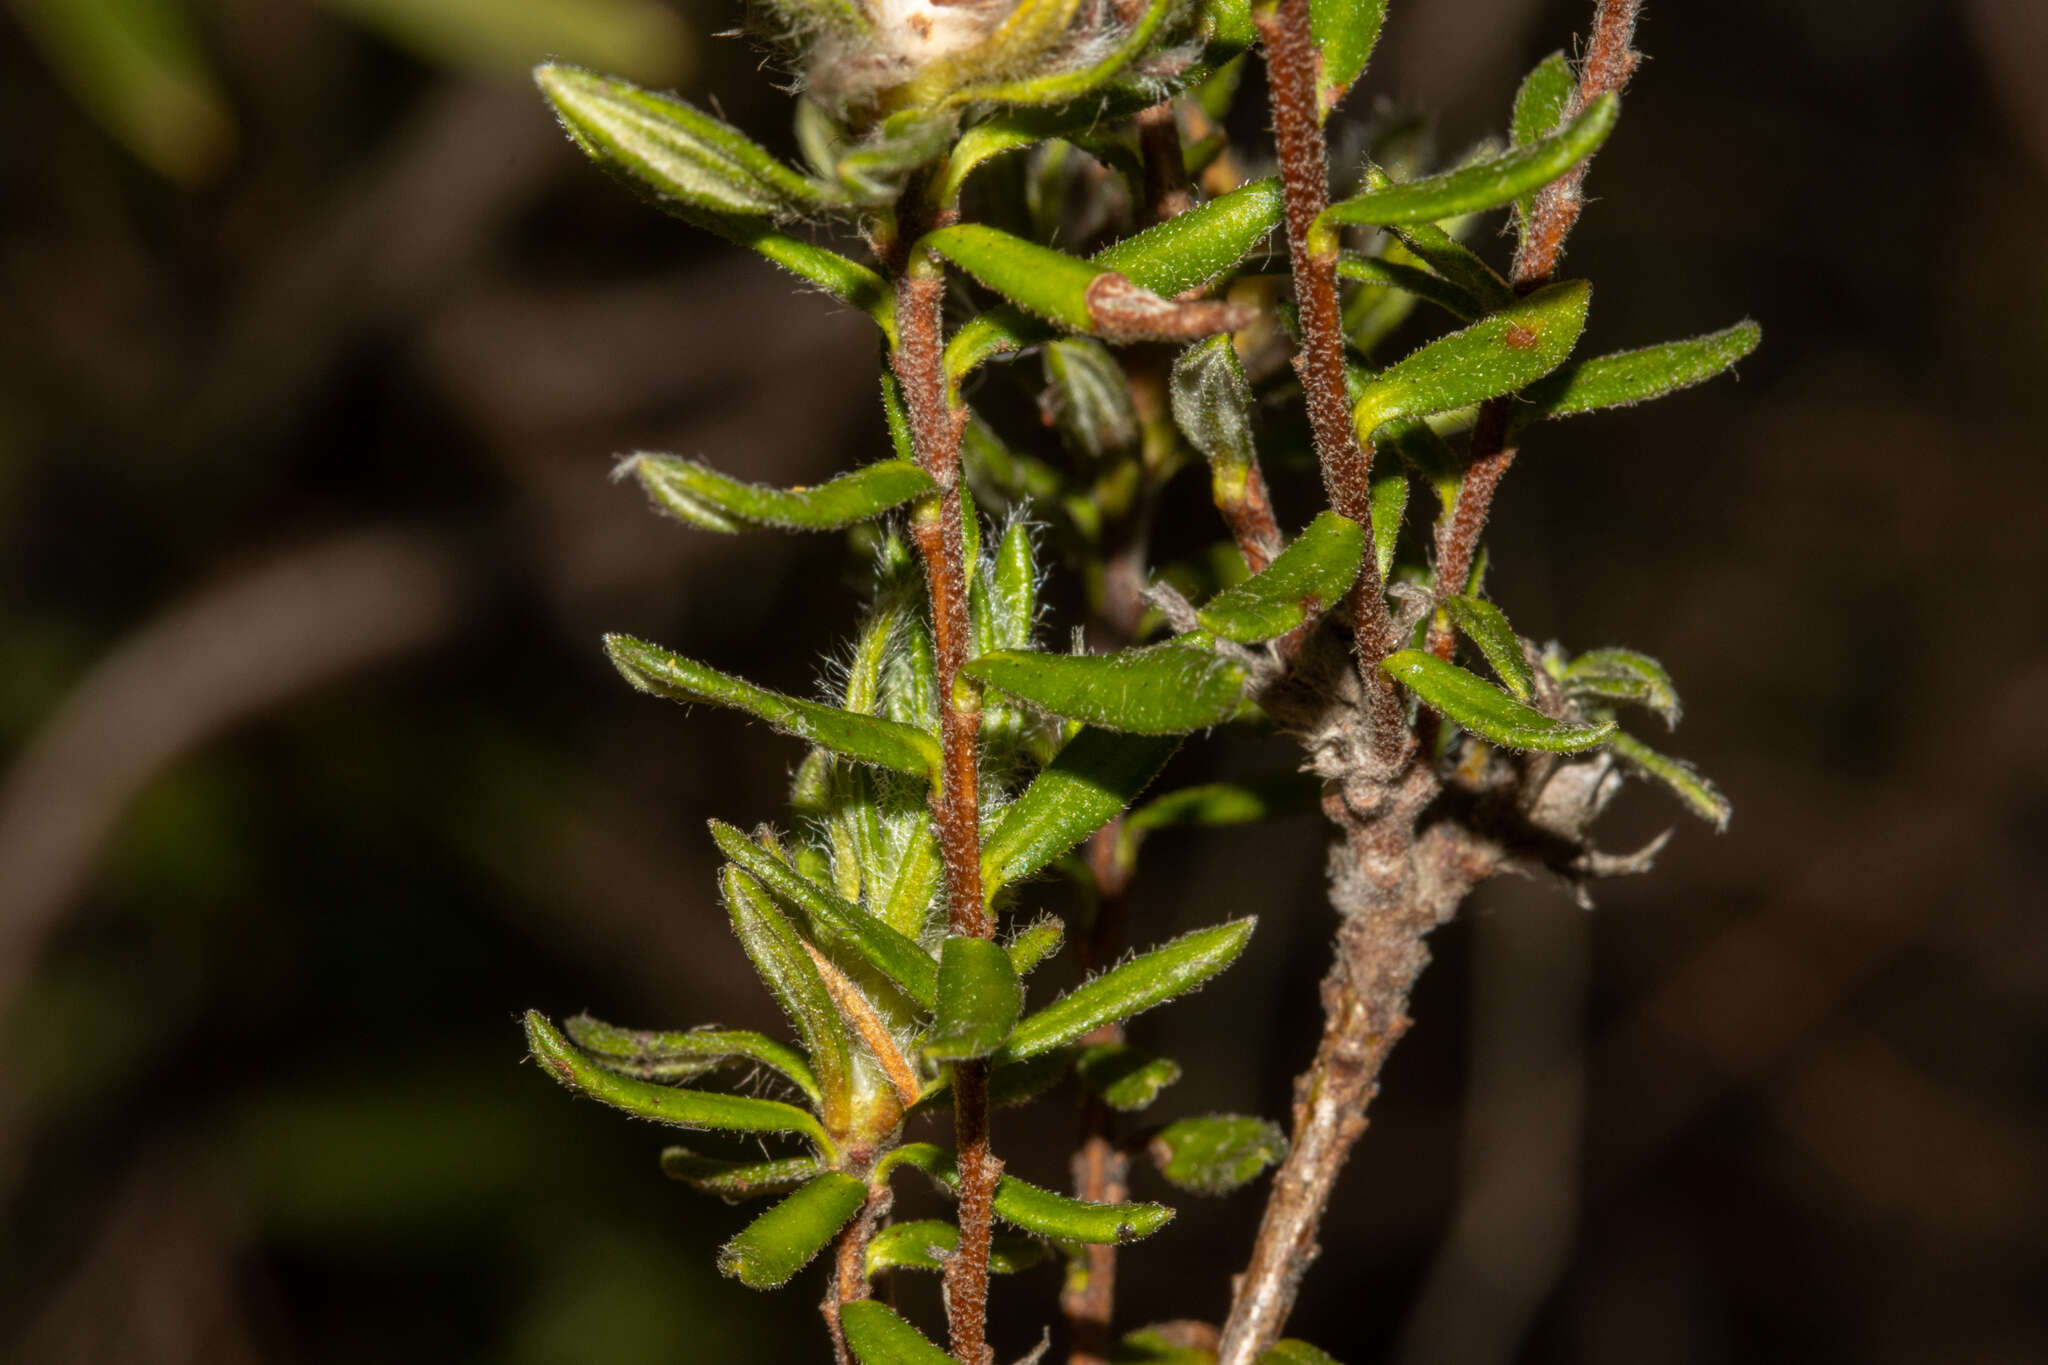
(671, 151)
(701, 496)
(1217, 1153)
(1453, 298)
(1486, 184)
(1701, 797)
(772, 944)
(662, 1103)
(846, 280)
(1212, 405)
(1185, 251)
(1123, 1077)
(1034, 944)
(834, 921)
(1310, 576)
(874, 171)
(1628, 377)
(978, 999)
(1345, 33)
(1166, 689)
(1041, 1211)
(1076, 294)
(1295, 1352)
(1168, 1344)
(1089, 782)
(1486, 626)
(735, 1180)
(877, 1336)
(1500, 353)
(869, 739)
(1484, 709)
(1136, 986)
(1089, 398)
(772, 1248)
(1014, 588)
(925, 1245)
(681, 1055)
(1227, 803)
(1388, 496)
(1622, 675)
(1539, 107)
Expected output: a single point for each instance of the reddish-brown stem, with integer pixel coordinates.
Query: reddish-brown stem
(936, 427)
(1609, 62)
(1166, 176)
(1291, 62)
(849, 1269)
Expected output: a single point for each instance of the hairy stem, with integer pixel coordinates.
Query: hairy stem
(936, 427)
(849, 1267)
(1291, 61)
(1610, 61)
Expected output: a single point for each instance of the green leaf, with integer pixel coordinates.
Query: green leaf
(834, 921)
(1089, 397)
(701, 496)
(1036, 1210)
(877, 1336)
(679, 1056)
(664, 1104)
(1056, 84)
(1539, 107)
(1164, 1345)
(1125, 1078)
(1622, 675)
(1310, 576)
(1388, 496)
(1496, 355)
(1700, 796)
(1484, 709)
(736, 1180)
(1226, 803)
(1218, 1153)
(1075, 294)
(1629, 377)
(778, 955)
(679, 155)
(1088, 783)
(1295, 1352)
(1014, 586)
(1133, 987)
(978, 999)
(874, 171)
(1484, 185)
(848, 281)
(1212, 405)
(870, 739)
(1451, 259)
(1163, 689)
(1453, 298)
(1487, 626)
(1345, 33)
(925, 1244)
(1035, 943)
(769, 1251)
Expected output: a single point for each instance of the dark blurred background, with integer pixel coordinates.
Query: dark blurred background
(319, 343)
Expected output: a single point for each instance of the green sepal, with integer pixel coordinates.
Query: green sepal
(777, 952)
(679, 1055)
(877, 1335)
(1484, 709)
(697, 494)
(833, 921)
(869, 739)
(662, 1103)
(769, 1251)
(1486, 626)
(873, 171)
(1035, 943)
(1165, 689)
(1292, 1351)
(1700, 796)
(978, 999)
(736, 1180)
(1130, 988)
(1089, 782)
(1308, 578)
(1483, 185)
(1387, 496)
(922, 1245)
(1346, 31)
(1037, 1210)
(1063, 86)
(677, 154)
(1217, 1153)
(1500, 353)
(1623, 675)
(1453, 298)
(1540, 103)
(1630, 377)
(1123, 1077)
